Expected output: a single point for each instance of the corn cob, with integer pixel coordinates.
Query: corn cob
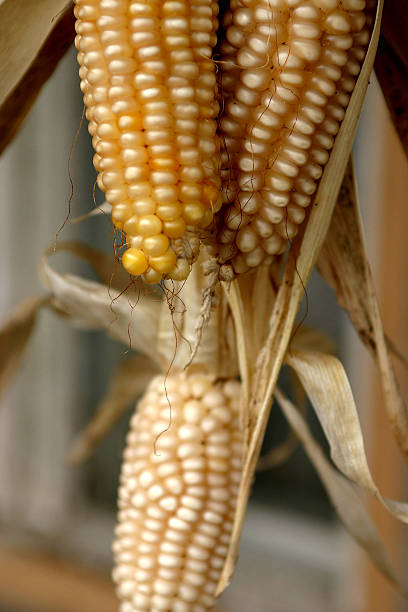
(177, 495)
(149, 89)
(287, 71)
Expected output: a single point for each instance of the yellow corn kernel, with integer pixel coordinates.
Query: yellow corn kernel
(164, 263)
(134, 261)
(156, 245)
(174, 229)
(151, 277)
(178, 494)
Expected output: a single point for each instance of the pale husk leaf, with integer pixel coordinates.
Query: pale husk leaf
(131, 319)
(180, 324)
(343, 263)
(298, 269)
(129, 380)
(342, 494)
(107, 268)
(327, 386)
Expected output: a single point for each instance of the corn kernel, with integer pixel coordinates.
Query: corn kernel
(134, 261)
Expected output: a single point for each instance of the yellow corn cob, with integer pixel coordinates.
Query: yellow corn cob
(149, 89)
(177, 494)
(288, 70)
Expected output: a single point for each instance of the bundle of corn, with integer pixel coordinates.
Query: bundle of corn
(287, 105)
(149, 86)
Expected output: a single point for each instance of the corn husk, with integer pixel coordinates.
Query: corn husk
(344, 265)
(326, 384)
(34, 36)
(343, 496)
(300, 263)
(131, 318)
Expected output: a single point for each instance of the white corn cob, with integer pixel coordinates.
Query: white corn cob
(287, 72)
(178, 492)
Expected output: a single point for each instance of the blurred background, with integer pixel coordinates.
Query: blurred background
(56, 521)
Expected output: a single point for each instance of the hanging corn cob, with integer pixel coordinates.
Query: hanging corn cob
(150, 92)
(178, 493)
(182, 467)
(288, 69)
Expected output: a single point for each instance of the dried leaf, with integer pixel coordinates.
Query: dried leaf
(14, 337)
(234, 296)
(34, 36)
(342, 494)
(308, 338)
(179, 321)
(327, 386)
(343, 263)
(301, 261)
(130, 378)
(107, 268)
(132, 320)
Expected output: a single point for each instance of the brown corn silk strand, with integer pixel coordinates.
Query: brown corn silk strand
(287, 70)
(177, 495)
(150, 92)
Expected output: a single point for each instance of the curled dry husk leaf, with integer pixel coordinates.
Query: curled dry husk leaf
(107, 268)
(326, 384)
(132, 318)
(263, 377)
(34, 36)
(344, 265)
(342, 494)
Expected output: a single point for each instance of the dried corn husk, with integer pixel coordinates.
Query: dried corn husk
(344, 265)
(305, 252)
(343, 495)
(34, 36)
